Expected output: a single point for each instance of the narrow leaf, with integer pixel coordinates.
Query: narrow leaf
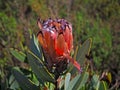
(81, 81)
(83, 51)
(39, 69)
(34, 47)
(97, 86)
(73, 82)
(80, 53)
(24, 83)
(18, 54)
(103, 86)
(67, 80)
(95, 81)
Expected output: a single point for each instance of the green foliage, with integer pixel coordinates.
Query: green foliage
(38, 68)
(13, 83)
(24, 83)
(77, 82)
(96, 84)
(19, 55)
(81, 81)
(95, 81)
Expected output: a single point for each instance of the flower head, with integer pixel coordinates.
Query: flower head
(55, 37)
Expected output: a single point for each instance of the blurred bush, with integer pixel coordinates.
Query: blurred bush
(8, 31)
(100, 34)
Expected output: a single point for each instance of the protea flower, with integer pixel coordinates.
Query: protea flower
(55, 37)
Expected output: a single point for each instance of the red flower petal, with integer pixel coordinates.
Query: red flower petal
(74, 62)
(61, 46)
(41, 40)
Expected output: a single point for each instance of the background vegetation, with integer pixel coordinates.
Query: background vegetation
(96, 19)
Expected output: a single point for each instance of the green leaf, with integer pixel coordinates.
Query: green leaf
(61, 84)
(35, 80)
(79, 81)
(18, 54)
(34, 47)
(39, 69)
(24, 83)
(80, 53)
(73, 82)
(13, 83)
(83, 51)
(67, 80)
(97, 86)
(103, 86)
(95, 81)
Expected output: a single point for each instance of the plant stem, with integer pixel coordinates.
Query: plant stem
(56, 86)
(56, 83)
